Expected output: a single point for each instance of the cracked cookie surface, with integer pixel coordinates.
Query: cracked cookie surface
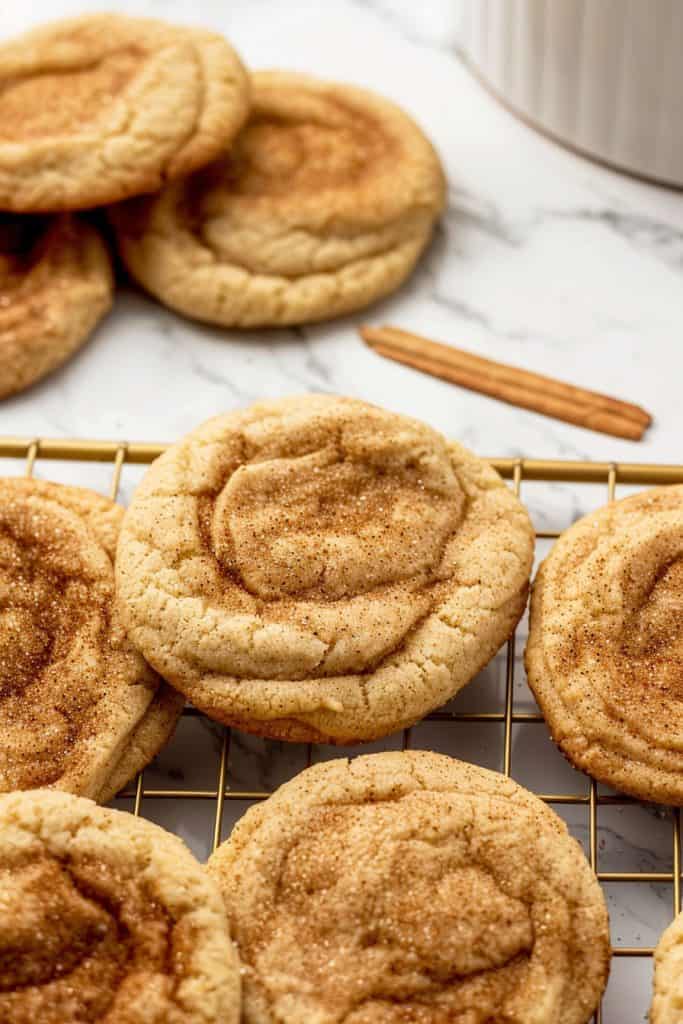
(318, 568)
(102, 107)
(605, 649)
(411, 887)
(107, 918)
(323, 204)
(80, 710)
(56, 284)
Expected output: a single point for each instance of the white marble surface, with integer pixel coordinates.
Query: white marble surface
(543, 260)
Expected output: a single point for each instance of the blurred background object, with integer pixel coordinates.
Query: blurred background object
(602, 76)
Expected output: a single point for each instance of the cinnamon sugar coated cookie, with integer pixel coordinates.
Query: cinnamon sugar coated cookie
(317, 568)
(411, 887)
(106, 917)
(605, 649)
(56, 284)
(80, 710)
(323, 204)
(150, 735)
(667, 999)
(101, 107)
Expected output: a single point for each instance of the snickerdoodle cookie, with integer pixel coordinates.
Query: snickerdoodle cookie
(102, 107)
(158, 723)
(56, 284)
(152, 732)
(605, 652)
(79, 708)
(411, 887)
(317, 568)
(106, 917)
(667, 998)
(322, 205)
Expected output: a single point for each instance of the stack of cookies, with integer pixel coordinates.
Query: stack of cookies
(260, 200)
(310, 569)
(318, 569)
(307, 569)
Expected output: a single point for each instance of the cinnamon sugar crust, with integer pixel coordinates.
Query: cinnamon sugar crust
(56, 284)
(102, 107)
(605, 651)
(411, 887)
(80, 709)
(319, 569)
(105, 917)
(323, 204)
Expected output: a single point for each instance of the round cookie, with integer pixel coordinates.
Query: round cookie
(56, 284)
(106, 917)
(605, 649)
(157, 725)
(411, 887)
(322, 205)
(80, 709)
(667, 998)
(102, 107)
(319, 569)
(150, 735)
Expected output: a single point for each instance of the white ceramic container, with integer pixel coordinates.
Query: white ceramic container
(603, 76)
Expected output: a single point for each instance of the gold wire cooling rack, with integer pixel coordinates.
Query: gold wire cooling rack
(517, 470)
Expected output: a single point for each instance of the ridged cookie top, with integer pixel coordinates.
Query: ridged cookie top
(329, 163)
(605, 654)
(411, 887)
(98, 108)
(55, 284)
(104, 918)
(324, 202)
(312, 557)
(72, 688)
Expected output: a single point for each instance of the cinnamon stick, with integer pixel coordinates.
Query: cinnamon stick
(523, 388)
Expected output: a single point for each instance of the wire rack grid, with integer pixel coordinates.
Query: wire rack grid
(517, 471)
